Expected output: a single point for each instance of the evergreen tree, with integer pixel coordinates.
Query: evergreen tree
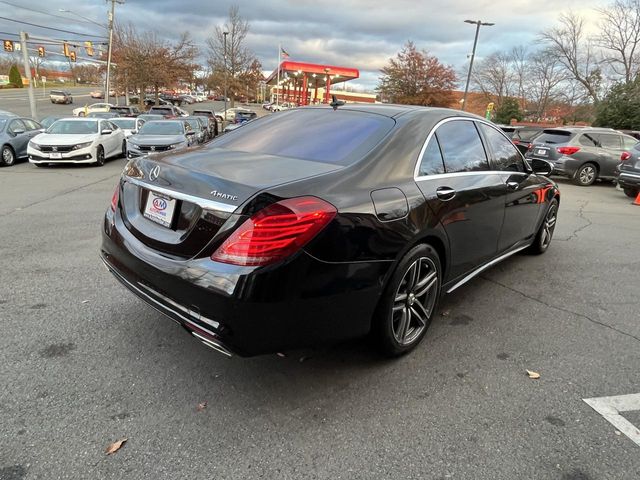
(620, 109)
(14, 76)
(508, 110)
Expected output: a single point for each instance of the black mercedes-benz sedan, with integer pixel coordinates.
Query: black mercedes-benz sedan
(320, 224)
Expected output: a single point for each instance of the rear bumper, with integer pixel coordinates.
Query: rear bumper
(248, 310)
(629, 180)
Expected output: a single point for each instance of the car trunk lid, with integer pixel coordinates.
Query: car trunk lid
(177, 204)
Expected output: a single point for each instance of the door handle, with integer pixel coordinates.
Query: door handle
(512, 185)
(445, 193)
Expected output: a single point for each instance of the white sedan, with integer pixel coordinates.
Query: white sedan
(87, 109)
(129, 125)
(77, 140)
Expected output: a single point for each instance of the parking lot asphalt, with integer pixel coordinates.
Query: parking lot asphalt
(84, 363)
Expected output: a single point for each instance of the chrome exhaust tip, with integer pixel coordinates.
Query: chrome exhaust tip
(212, 344)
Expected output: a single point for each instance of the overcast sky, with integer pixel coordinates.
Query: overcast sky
(353, 33)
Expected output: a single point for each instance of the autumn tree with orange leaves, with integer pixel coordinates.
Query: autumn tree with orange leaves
(417, 78)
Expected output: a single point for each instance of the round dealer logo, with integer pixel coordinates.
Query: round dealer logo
(159, 203)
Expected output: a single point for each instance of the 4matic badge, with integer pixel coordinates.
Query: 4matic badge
(224, 196)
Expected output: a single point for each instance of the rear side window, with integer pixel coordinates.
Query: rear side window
(461, 146)
(322, 135)
(431, 162)
(588, 140)
(505, 154)
(526, 134)
(610, 140)
(554, 136)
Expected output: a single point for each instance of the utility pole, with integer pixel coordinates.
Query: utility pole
(477, 23)
(27, 73)
(225, 77)
(111, 19)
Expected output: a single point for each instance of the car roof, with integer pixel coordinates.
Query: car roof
(578, 128)
(82, 119)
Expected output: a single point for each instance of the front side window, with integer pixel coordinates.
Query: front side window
(505, 154)
(431, 162)
(610, 140)
(461, 146)
(16, 126)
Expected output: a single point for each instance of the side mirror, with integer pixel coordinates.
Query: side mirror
(18, 131)
(190, 133)
(134, 132)
(106, 132)
(541, 167)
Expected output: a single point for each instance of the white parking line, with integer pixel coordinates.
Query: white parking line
(610, 408)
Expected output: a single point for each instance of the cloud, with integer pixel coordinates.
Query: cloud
(354, 33)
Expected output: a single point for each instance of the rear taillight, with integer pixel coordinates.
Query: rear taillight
(625, 156)
(515, 141)
(530, 146)
(568, 150)
(114, 198)
(276, 232)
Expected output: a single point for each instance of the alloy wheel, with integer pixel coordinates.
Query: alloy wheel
(548, 226)
(414, 301)
(587, 175)
(7, 156)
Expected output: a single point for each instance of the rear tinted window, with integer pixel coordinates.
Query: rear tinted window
(554, 136)
(461, 147)
(431, 162)
(321, 135)
(588, 140)
(526, 134)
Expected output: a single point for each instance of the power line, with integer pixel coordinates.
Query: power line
(50, 28)
(43, 12)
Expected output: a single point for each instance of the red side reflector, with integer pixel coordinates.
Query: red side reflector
(568, 150)
(276, 232)
(625, 156)
(115, 197)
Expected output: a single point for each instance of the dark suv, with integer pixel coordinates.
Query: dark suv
(628, 171)
(583, 154)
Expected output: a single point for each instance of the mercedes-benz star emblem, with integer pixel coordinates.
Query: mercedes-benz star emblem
(154, 173)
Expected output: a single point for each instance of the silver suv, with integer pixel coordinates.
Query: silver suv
(583, 154)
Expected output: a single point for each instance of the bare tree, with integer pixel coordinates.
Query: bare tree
(619, 37)
(494, 76)
(568, 43)
(520, 65)
(544, 81)
(237, 58)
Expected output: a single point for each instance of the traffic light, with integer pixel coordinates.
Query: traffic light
(88, 46)
(72, 56)
(65, 49)
(41, 51)
(8, 46)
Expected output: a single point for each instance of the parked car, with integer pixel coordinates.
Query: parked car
(60, 96)
(280, 107)
(317, 225)
(583, 154)
(129, 125)
(200, 125)
(212, 121)
(234, 126)
(200, 97)
(106, 115)
(95, 107)
(97, 94)
(188, 99)
(150, 116)
(231, 113)
(521, 136)
(218, 117)
(160, 136)
(244, 116)
(168, 111)
(77, 140)
(46, 122)
(15, 133)
(171, 98)
(125, 110)
(628, 171)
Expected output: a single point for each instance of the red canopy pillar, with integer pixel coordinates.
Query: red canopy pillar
(288, 91)
(305, 87)
(315, 93)
(326, 93)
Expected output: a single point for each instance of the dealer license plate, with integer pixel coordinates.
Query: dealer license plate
(541, 151)
(159, 209)
(55, 155)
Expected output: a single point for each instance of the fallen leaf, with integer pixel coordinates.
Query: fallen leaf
(280, 354)
(201, 406)
(445, 313)
(115, 446)
(532, 374)
(85, 301)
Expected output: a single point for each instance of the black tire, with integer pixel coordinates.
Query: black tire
(586, 175)
(545, 232)
(7, 156)
(99, 156)
(630, 192)
(124, 149)
(409, 301)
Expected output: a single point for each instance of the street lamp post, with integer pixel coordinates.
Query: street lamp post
(225, 76)
(478, 24)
